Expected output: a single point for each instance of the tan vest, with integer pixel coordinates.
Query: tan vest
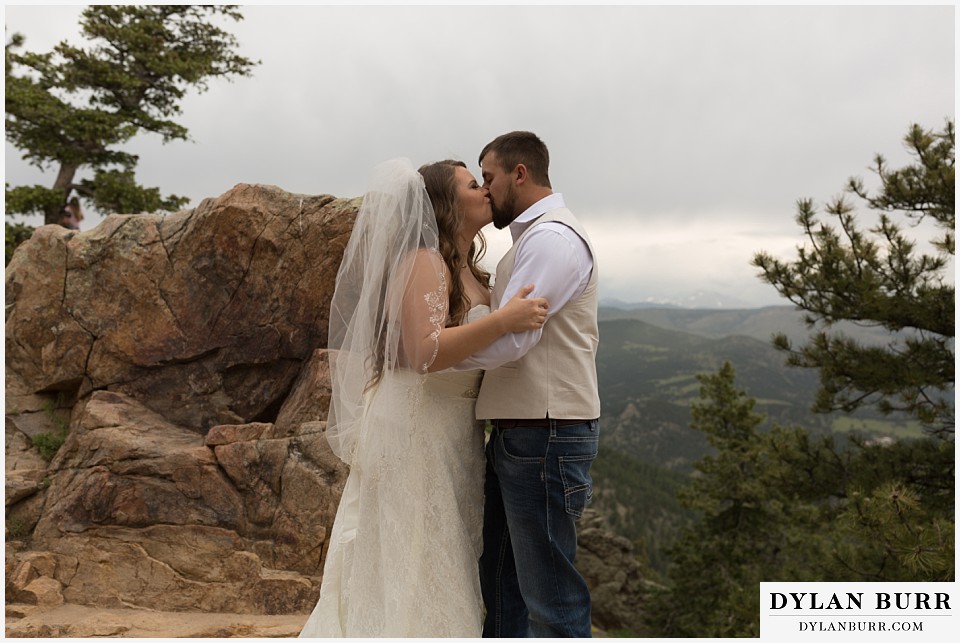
(558, 376)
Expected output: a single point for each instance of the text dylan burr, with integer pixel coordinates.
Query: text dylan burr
(855, 601)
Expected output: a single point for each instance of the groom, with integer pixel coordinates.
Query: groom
(540, 394)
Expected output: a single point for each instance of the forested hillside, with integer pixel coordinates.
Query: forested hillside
(648, 379)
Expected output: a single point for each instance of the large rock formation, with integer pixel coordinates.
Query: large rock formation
(215, 307)
(182, 359)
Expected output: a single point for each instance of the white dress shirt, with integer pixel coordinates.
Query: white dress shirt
(556, 261)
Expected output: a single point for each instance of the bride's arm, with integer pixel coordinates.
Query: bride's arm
(427, 344)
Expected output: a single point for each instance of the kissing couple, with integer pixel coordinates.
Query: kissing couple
(443, 530)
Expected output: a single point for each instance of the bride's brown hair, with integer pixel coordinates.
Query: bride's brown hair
(440, 181)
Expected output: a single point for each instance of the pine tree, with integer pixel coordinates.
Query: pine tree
(781, 505)
(898, 517)
(879, 277)
(73, 108)
(753, 525)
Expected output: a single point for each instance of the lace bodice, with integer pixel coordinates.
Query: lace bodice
(466, 377)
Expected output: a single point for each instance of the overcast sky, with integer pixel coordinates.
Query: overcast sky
(681, 136)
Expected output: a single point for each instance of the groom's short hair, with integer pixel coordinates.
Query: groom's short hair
(514, 148)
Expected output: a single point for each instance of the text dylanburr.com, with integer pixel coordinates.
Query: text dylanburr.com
(858, 611)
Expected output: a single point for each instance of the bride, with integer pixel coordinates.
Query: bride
(411, 300)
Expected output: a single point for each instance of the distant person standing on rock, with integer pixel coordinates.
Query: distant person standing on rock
(72, 214)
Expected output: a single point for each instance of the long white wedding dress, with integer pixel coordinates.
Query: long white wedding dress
(406, 540)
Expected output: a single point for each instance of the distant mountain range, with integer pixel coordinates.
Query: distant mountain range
(758, 323)
(699, 299)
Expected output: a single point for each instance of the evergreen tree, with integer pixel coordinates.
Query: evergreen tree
(898, 516)
(879, 277)
(16, 234)
(74, 107)
(782, 505)
(753, 527)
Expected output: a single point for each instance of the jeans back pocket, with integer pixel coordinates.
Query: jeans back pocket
(577, 483)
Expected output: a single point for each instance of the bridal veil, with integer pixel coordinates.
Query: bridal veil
(389, 304)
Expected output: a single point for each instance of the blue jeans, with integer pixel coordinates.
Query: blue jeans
(537, 485)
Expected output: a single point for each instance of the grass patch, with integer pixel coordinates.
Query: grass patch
(49, 443)
(682, 378)
(16, 528)
(622, 634)
(903, 429)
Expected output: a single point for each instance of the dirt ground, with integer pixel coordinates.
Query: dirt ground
(76, 621)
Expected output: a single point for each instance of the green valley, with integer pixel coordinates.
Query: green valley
(648, 362)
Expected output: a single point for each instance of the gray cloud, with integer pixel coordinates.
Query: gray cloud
(682, 135)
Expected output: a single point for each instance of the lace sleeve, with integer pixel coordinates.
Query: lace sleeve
(424, 310)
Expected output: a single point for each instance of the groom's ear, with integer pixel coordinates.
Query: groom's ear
(520, 174)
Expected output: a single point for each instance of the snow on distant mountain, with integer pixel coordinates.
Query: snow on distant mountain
(701, 299)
